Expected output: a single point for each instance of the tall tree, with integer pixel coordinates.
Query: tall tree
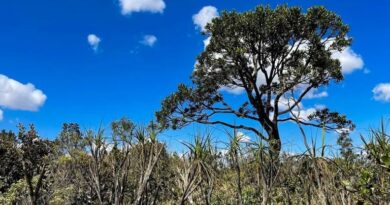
(276, 57)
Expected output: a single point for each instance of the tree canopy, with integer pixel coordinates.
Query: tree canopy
(275, 57)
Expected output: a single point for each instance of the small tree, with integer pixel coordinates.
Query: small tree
(197, 172)
(34, 155)
(276, 57)
(123, 134)
(149, 154)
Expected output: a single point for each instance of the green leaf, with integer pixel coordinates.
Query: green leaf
(386, 160)
(346, 183)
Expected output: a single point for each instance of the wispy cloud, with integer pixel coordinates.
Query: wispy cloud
(314, 93)
(130, 6)
(149, 40)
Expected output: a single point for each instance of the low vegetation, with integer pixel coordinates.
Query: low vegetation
(131, 166)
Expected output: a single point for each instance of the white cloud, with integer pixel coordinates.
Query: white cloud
(1, 115)
(303, 114)
(204, 16)
(320, 106)
(149, 40)
(298, 111)
(130, 6)
(285, 103)
(94, 41)
(349, 60)
(343, 130)
(232, 89)
(18, 96)
(243, 138)
(314, 93)
(382, 92)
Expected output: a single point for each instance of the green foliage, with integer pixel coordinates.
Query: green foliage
(378, 147)
(17, 192)
(271, 55)
(11, 166)
(99, 169)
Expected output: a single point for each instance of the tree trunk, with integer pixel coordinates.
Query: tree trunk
(265, 197)
(274, 141)
(96, 182)
(145, 178)
(238, 173)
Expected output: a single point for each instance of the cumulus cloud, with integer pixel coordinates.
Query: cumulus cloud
(204, 16)
(17, 96)
(349, 60)
(382, 92)
(130, 6)
(149, 40)
(1, 115)
(93, 41)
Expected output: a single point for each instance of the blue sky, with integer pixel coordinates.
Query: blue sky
(139, 52)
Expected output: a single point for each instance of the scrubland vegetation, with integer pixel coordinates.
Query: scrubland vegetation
(274, 57)
(132, 167)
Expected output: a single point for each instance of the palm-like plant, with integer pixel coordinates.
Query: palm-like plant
(378, 148)
(234, 154)
(150, 151)
(197, 169)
